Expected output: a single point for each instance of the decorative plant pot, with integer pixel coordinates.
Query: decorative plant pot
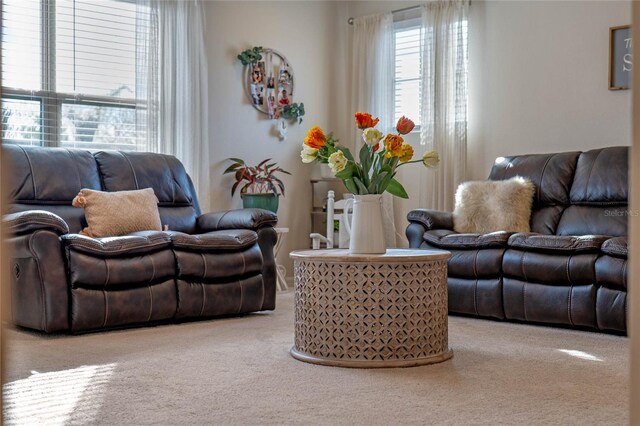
(367, 233)
(260, 201)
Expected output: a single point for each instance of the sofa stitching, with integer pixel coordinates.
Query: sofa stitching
(475, 297)
(524, 274)
(593, 163)
(150, 303)
(153, 271)
(569, 305)
(623, 271)
(524, 300)
(204, 298)
(42, 292)
(33, 178)
(475, 264)
(544, 168)
(204, 266)
(240, 282)
(135, 177)
(106, 277)
(106, 308)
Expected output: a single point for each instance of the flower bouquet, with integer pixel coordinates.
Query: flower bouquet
(378, 160)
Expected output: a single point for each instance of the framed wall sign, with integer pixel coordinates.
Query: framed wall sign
(620, 58)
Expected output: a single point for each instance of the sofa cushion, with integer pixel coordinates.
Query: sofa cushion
(48, 175)
(178, 200)
(552, 174)
(554, 243)
(601, 177)
(229, 240)
(445, 238)
(135, 243)
(615, 247)
(490, 206)
(118, 213)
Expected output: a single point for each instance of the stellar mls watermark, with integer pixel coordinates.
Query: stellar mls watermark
(622, 213)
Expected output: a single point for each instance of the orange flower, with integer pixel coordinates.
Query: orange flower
(406, 153)
(364, 120)
(376, 147)
(393, 143)
(315, 138)
(405, 126)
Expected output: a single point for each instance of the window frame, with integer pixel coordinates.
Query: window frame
(51, 101)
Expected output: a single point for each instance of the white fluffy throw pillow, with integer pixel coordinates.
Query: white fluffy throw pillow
(493, 205)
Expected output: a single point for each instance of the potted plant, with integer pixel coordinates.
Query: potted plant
(260, 185)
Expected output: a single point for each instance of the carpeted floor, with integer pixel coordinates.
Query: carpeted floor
(239, 371)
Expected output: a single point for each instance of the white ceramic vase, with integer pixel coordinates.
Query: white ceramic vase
(367, 233)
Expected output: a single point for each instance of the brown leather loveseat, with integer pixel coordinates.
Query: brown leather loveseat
(571, 269)
(207, 265)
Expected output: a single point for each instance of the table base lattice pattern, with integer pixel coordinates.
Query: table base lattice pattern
(371, 314)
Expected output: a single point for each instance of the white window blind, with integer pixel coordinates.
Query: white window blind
(69, 73)
(408, 42)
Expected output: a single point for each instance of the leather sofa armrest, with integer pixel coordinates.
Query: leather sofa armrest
(431, 219)
(29, 221)
(253, 219)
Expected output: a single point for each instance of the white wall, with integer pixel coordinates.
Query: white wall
(304, 33)
(538, 79)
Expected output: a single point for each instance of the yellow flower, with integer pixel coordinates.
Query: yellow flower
(315, 138)
(430, 159)
(393, 143)
(372, 136)
(406, 153)
(337, 162)
(308, 154)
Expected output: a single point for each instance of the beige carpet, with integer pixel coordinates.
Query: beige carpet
(239, 371)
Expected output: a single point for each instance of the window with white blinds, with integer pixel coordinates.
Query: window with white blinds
(69, 73)
(408, 68)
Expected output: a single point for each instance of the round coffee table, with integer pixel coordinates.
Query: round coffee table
(371, 311)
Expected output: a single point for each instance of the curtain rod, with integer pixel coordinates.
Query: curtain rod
(404, 9)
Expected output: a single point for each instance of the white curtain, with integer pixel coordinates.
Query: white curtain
(372, 75)
(172, 64)
(444, 99)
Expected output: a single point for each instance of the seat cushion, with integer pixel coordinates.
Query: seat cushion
(445, 238)
(135, 243)
(615, 247)
(228, 240)
(117, 263)
(554, 243)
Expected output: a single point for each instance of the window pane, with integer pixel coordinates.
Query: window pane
(95, 47)
(408, 68)
(408, 100)
(21, 122)
(21, 28)
(98, 127)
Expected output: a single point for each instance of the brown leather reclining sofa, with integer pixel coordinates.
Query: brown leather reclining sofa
(570, 270)
(207, 265)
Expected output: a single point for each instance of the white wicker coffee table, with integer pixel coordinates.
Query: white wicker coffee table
(371, 311)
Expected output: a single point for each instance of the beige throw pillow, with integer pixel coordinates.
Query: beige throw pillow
(490, 206)
(118, 213)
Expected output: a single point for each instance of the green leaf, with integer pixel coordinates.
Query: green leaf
(347, 153)
(375, 181)
(351, 186)
(364, 154)
(396, 188)
(362, 190)
(237, 160)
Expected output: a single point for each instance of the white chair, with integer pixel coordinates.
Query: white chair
(336, 210)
